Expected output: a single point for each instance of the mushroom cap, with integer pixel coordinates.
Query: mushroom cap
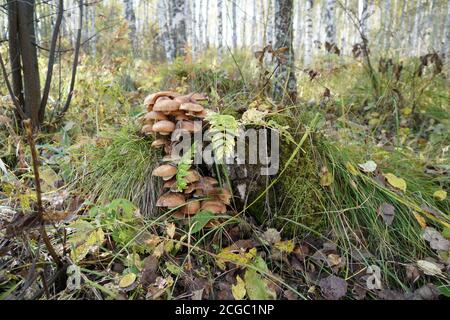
(182, 116)
(201, 115)
(183, 98)
(165, 171)
(169, 183)
(147, 129)
(192, 176)
(189, 126)
(170, 200)
(155, 115)
(222, 194)
(191, 187)
(191, 207)
(158, 143)
(166, 106)
(151, 99)
(189, 106)
(164, 127)
(214, 206)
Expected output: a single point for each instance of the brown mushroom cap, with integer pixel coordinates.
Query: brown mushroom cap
(164, 127)
(183, 99)
(166, 171)
(192, 176)
(147, 129)
(201, 115)
(155, 115)
(169, 183)
(170, 200)
(193, 107)
(214, 206)
(191, 207)
(166, 106)
(151, 99)
(189, 126)
(222, 194)
(182, 116)
(158, 143)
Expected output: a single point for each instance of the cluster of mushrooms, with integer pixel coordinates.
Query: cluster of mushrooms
(168, 114)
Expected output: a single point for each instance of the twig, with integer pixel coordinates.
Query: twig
(51, 250)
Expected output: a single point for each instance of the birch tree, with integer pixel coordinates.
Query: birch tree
(131, 20)
(285, 87)
(330, 18)
(179, 27)
(234, 24)
(219, 30)
(307, 59)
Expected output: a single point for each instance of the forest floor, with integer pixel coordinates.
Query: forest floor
(358, 210)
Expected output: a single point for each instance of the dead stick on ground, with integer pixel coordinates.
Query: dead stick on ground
(51, 250)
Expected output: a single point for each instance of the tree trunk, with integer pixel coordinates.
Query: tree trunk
(254, 25)
(219, 30)
(415, 34)
(307, 59)
(330, 18)
(179, 27)
(30, 67)
(201, 40)
(234, 24)
(206, 26)
(14, 51)
(298, 29)
(285, 88)
(131, 19)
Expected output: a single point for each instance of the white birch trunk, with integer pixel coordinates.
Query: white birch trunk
(307, 59)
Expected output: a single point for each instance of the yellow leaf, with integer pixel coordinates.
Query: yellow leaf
(170, 229)
(159, 250)
(127, 280)
(396, 182)
(286, 246)
(440, 195)
(238, 290)
(420, 220)
(326, 179)
(406, 111)
(351, 168)
(237, 256)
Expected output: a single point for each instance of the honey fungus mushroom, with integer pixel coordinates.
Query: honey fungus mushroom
(164, 127)
(154, 116)
(166, 106)
(214, 206)
(159, 143)
(165, 171)
(170, 200)
(191, 207)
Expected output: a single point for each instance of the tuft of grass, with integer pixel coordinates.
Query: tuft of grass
(122, 169)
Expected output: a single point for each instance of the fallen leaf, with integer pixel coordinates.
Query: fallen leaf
(440, 195)
(396, 182)
(374, 280)
(387, 212)
(333, 287)
(429, 268)
(420, 220)
(127, 280)
(351, 168)
(238, 290)
(436, 240)
(334, 260)
(285, 246)
(326, 179)
(272, 235)
(368, 166)
(170, 229)
(256, 286)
